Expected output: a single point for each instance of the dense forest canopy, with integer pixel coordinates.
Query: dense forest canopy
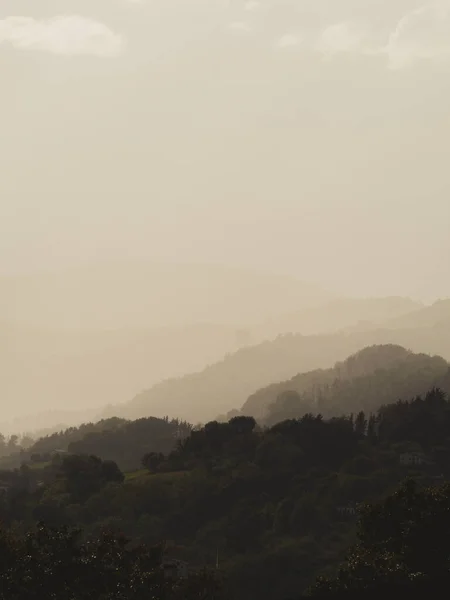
(119, 440)
(401, 549)
(272, 507)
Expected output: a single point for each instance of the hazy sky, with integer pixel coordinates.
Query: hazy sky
(304, 136)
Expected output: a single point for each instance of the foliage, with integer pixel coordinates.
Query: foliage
(402, 544)
(118, 440)
(57, 563)
(274, 506)
(374, 376)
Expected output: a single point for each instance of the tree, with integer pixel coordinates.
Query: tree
(56, 563)
(360, 424)
(111, 472)
(242, 424)
(85, 475)
(13, 442)
(152, 461)
(2, 445)
(403, 545)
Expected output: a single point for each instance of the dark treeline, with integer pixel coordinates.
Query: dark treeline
(402, 548)
(122, 441)
(58, 563)
(275, 507)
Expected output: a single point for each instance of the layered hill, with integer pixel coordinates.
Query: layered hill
(226, 385)
(52, 376)
(344, 313)
(64, 374)
(86, 337)
(437, 313)
(366, 380)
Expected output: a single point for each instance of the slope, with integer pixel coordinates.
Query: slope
(75, 373)
(426, 316)
(227, 384)
(363, 382)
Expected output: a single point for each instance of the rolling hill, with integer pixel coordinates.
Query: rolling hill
(343, 313)
(56, 376)
(83, 338)
(75, 341)
(226, 385)
(366, 380)
(437, 313)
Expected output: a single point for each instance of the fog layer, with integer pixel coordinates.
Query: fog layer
(302, 144)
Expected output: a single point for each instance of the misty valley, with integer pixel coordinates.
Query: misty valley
(280, 470)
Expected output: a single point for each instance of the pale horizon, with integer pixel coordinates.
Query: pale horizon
(228, 162)
(297, 137)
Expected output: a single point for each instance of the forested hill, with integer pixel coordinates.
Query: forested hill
(226, 385)
(365, 381)
(438, 314)
(109, 366)
(119, 440)
(374, 376)
(277, 505)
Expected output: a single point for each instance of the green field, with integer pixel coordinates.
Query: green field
(142, 475)
(36, 466)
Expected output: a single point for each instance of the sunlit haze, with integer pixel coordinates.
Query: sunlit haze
(229, 163)
(297, 136)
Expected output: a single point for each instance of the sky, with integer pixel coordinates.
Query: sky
(307, 137)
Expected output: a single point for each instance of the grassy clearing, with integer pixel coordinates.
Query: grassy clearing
(143, 475)
(37, 466)
(132, 475)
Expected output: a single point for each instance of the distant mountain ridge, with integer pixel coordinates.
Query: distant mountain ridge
(151, 295)
(51, 371)
(95, 368)
(437, 313)
(343, 313)
(226, 385)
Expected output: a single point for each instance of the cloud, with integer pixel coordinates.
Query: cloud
(65, 35)
(240, 27)
(422, 34)
(342, 38)
(252, 5)
(287, 40)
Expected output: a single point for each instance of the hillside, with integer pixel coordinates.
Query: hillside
(124, 442)
(54, 376)
(91, 336)
(74, 373)
(226, 385)
(276, 507)
(426, 316)
(363, 382)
